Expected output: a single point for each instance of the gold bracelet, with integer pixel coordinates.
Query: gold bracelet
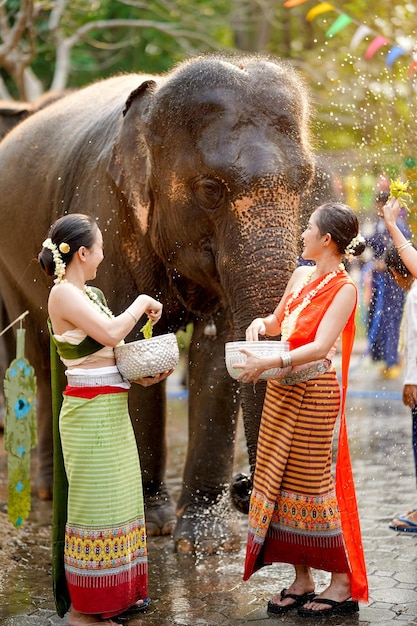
(404, 245)
(134, 317)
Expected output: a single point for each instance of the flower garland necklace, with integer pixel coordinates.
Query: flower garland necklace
(290, 319)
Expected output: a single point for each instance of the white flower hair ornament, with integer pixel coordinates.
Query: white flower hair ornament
(350, 249)
(56, 256)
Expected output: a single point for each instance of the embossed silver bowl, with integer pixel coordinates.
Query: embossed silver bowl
(147, 357)
(233, 356)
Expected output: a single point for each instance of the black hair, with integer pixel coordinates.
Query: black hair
(382, 196)
(341, 223)
(76, 230)
(393, 261)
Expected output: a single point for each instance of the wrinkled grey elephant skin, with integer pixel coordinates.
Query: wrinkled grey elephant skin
(11, 113)
(195, 178)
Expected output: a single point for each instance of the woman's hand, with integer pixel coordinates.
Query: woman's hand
(252, 368)
(410, 395)
(391, 211)
(147, 381)
(256, 328)
(154, 310)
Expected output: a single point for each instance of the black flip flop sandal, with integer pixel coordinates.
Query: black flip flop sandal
(347, 607)
(299, 600)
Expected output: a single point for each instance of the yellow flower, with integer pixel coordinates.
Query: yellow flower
(64, 248)
(398, 189)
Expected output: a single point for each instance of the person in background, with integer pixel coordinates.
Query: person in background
(99, 537)
(404, 278)
(296, 516)
(387, 298)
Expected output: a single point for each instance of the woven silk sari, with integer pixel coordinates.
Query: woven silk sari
(296, 514)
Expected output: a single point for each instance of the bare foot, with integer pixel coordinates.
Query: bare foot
(338, 590)
(411, 516)
(82, 619)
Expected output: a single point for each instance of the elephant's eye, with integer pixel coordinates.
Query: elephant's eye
(209, 192)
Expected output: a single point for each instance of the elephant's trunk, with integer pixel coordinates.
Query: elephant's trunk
(263, 235)
(256, 275)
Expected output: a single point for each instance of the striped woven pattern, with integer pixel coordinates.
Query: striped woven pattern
(295, 438)
(105, 542)
(293, 513)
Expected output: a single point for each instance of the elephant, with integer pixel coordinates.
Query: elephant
(11, 113)
(195, 177)
(14, 111)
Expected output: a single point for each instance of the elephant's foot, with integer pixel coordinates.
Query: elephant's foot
(207, 530)
(240, 492)
(159, 514)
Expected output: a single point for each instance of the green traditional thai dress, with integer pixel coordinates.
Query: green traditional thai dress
(99, 539)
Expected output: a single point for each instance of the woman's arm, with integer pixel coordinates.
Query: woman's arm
(406, 251)
(68, 308)
(330, 328)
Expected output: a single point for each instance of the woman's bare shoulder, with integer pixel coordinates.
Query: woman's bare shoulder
(303, 270)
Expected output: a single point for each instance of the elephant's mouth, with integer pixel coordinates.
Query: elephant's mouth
(200, 300)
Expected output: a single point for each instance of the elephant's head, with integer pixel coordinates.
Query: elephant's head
(214, 158)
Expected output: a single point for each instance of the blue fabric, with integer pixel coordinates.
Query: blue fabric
(387, 301)
(385, 314)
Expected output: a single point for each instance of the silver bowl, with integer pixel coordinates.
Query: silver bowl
(147, 357)
(233, 356)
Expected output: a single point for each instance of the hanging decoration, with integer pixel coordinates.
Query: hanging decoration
(293, 3)
(20, 428)
(362, 32)
(341, 23)
(323, 7)
(393, 55)
(412, 69)
(374, 46)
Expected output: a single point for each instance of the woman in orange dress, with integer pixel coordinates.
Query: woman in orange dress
(296, 514)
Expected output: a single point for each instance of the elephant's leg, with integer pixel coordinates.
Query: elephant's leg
(148, 414)
(206, 520)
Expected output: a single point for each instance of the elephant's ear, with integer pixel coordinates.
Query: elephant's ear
(129, 164)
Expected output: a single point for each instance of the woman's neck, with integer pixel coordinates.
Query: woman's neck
(75, 278)
(324, 266)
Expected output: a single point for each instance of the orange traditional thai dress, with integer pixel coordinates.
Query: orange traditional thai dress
(296, 514)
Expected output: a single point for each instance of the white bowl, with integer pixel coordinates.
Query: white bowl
(262, 348)
(147, 357)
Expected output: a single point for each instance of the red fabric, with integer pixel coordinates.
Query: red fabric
(308, 322)
(325, 555)
(117, 598)
(345, 488)
(304, 332)
(91, 392)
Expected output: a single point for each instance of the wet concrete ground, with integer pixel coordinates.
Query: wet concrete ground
(209, 591)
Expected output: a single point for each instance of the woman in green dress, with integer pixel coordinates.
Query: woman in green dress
(99, 554)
